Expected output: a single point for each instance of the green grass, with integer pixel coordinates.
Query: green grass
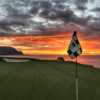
(47, 80)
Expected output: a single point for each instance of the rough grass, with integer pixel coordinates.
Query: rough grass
(47, 80)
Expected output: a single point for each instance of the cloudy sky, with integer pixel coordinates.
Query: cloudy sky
(50, 18)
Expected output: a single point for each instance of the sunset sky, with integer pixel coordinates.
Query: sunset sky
(46, 26)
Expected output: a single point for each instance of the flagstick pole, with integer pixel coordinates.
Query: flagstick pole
(76, 80)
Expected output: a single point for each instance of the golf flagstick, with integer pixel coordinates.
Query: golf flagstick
(74, 50)
(76, 80)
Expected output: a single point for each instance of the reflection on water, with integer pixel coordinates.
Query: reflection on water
(93, 60)
(83, 59)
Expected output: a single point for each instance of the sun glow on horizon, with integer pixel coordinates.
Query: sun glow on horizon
(49, 45)
(5, 42)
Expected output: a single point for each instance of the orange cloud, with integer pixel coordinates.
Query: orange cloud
(50, 44)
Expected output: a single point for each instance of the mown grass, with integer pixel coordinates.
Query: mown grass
(47, 80)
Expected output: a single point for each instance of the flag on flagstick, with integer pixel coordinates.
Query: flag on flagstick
(74, 50)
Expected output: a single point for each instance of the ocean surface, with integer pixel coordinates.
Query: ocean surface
(93, 60)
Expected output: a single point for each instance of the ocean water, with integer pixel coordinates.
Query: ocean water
(93, 60)
(90, 60)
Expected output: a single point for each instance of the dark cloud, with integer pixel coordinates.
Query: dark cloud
(81, 4)
(95, 27)
(13, 21)
(97, 9)
(21, 13)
